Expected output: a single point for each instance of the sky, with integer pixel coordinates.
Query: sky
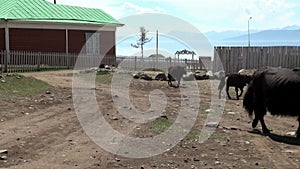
(206, 15)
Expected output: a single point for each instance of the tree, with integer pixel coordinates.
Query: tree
(142, 39)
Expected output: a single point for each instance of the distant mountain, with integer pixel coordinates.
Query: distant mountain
(268, 38)
(213, 35)
(287, 36)
(293, 27)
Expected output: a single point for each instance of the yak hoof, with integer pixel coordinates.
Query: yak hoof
(254, 123)
(266, 131)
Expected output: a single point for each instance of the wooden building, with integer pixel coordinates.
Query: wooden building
(41, 26)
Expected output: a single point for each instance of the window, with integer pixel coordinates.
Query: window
(92, 45)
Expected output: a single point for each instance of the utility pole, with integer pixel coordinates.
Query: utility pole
(248, 57)
(156, 43)
(249, 31)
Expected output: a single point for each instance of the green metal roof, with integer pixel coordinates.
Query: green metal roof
(41, 10)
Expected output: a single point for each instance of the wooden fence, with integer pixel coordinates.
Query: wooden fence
(21, 61)
(235, 58)
(135, 63)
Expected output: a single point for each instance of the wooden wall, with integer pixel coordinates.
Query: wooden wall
(232, 59)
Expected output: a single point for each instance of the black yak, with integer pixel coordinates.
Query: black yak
(236, 80)
(175, 73)
(161, 77)
(276, 90)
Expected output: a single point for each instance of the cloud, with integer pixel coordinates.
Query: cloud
(213, 14)
(135, 9)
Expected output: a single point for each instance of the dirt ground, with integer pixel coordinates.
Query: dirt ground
(43, 131)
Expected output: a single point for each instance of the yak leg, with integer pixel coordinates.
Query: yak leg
(170, 78)
(170, 83)
(227, 91)
(254, 122)
(263, 124)
(237, 93)
(298, 130)
(259, 115)
(241, 91)
(178, 83)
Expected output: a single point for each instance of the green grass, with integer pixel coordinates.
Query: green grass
(193, 135)
(160, 125)
(18, 85)
(202, 111)
(218, 137)
(104, 77)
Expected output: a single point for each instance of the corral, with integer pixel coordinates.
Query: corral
(41, 130)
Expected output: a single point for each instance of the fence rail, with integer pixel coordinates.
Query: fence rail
(137, 63)
(235, 58)
(23, 61)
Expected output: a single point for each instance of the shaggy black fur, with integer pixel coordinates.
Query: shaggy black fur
(276, 90)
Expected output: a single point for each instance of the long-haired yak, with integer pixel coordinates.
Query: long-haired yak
(276, 90)
(236, 80)
(175, 73)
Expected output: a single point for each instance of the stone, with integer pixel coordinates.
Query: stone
(212, 124)
(115, 118)
(209, 110)
(3, 158)
(217, 162)
(48, 92)
(3, 151)
(196, 159)
(291, 133)
(232, 113)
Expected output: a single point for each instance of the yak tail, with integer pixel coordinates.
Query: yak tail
(248, 102)
(221, 84)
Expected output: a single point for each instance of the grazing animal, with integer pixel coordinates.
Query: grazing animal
(161, 77)
(142, 76)
(236, 80)
(175, 73)
(276, 90)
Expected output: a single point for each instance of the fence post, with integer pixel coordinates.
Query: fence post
(6, 58)
(135, 60)
(1, 61)
(68, 60)
(39, 61)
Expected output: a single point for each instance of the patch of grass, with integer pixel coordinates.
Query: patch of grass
(159, 125)
(14, 85)
(104, 78)
(202, 111)
(193, 135)
(218, 137)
